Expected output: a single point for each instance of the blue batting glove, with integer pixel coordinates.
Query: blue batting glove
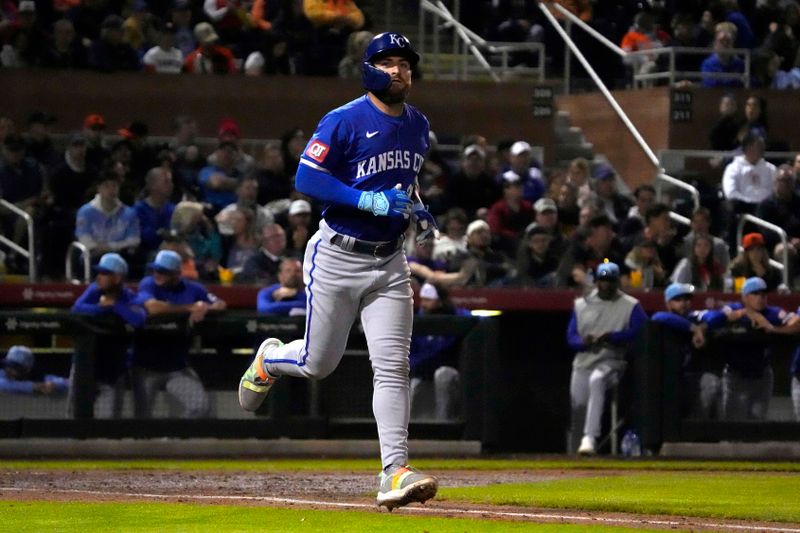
(391, 202)
(426, 224)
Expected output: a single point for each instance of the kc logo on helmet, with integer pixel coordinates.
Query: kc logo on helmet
(317, 151)
(397, 40)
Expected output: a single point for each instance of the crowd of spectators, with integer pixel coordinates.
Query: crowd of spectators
(232, 216)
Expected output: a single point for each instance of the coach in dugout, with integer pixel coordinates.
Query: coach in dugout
(161, 362)
(602, 327)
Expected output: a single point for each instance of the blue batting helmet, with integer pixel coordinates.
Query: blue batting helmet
(382, 45)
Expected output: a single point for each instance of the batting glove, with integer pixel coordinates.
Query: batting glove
(426, 224)
(391, 202)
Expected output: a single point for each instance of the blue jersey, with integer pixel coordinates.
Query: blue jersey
(267, 305)
(368, 150)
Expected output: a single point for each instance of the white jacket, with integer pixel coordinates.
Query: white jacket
(747, 182)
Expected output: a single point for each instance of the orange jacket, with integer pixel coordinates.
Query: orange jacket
(325, 12)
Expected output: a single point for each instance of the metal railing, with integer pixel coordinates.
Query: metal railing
(85, 257)
(628, 57)
(661, 179)
(30, 252)
(782, 266)
(675, 160)
(467, 44)
(672, 75)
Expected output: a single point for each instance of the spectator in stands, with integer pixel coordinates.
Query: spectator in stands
(434, 361)
(350, 65)
(646, 269)
(745, 36)
(262, 268)
(218, 181)
(523, 166)
(643, 35)
(755, 119)
(659, 229)
(493, 269)
(241, 244)
(15, 374)
(567, 203)
(644, 197)
(39, 141)
(65, 49)
(181, 17)
(105, 224)
(263, 15)
(700, 387)
(68, 188)
(246, 197)
(293, 142)
(159, 362)
(110, 53)
(747, 181)
(229, 131)
(783, 210)
(229, 17)
(333, 21)
(608, 199)
(299, 228)
(724, 133)
(286, 297)
(547, 216)
(603, 326)
(753, 261)
(424, 268)
(471, 187)
(26, 38)
(143, 155)
(21, 182)
(453, 238)
(747, 380)
(94, 126)
(683, 36)
(578, 174)
(155, 210)
(509, 216)
(536, 261)
(164, 58)
(88, 17)
(722, 61)
(701, 225)
(108, 296)
(273, 181)
(209, 57)
(700, 267)
(578, 264)
(190, 225)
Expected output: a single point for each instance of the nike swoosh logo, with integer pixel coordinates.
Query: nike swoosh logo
(371, 134)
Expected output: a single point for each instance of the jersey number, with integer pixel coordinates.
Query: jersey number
(317, 151)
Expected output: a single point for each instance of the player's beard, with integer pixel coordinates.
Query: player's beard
(394, 94)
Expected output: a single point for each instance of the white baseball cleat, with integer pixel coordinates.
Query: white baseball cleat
(587, 446)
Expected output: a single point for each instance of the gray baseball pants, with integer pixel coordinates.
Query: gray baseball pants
(183, 385)
(588, 388)
(341, 286)
(796, 397)
(745, 398)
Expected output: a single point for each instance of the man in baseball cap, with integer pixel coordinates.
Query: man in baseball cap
(603, 325)
(17, 366)
(161, 363)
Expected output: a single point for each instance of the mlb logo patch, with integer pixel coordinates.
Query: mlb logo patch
(317, 151)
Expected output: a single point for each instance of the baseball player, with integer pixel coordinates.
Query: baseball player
(601, 328)
(701, 386)
(747, 380)
(360, 164)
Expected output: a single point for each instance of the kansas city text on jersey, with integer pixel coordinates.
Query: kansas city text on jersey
(393, 159)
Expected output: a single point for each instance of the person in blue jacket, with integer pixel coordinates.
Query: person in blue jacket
(108, 296)
(747, 379)
(700, 386)
(15, 372)
(288, 296)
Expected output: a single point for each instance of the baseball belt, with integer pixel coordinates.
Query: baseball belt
(375, 249)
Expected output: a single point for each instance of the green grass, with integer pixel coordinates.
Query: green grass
(727, 495)
(24, 516)
(370, 465)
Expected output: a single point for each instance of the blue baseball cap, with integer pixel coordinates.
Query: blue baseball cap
(607, 270)
(166, 261)
(20, 356)
(754, 284)
(112, 263)
(677, 289)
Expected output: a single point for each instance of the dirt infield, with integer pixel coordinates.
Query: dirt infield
(348, 490)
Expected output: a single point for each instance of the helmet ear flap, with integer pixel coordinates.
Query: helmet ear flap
(374, 79)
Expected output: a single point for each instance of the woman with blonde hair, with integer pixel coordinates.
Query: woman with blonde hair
(190, 224)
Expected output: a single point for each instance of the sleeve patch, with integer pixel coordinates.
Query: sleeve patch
(317, 151)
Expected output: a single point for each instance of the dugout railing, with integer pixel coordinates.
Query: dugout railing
(337, 407)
